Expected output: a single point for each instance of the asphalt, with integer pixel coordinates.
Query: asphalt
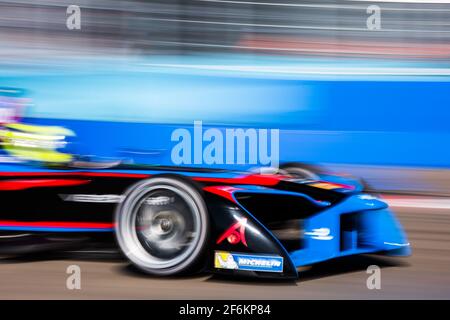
(424, 275)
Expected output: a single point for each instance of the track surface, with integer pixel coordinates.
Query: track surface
(424, 275)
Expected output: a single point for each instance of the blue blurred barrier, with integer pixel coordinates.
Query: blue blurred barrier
(403, 121)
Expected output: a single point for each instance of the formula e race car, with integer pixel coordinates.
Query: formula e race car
(170, 221)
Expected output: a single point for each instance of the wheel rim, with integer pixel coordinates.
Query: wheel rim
(164, 224)
(161, 227)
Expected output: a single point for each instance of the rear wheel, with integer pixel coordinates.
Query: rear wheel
(301, 170)
(162, 225)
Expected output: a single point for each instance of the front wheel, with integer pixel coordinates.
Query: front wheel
(162, 225)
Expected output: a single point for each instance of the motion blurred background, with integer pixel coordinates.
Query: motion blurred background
(409, 29)
(373, 103)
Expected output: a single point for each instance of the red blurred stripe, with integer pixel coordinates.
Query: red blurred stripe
(57, 224)
(22, 184)
(256, 179)
(83, 174)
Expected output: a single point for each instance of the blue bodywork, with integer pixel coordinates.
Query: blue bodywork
(379, 232)
(374, 229)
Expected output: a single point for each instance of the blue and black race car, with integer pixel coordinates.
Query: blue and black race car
(170, 221)
(174, 220)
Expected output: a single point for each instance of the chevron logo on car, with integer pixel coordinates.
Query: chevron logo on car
(235, 234)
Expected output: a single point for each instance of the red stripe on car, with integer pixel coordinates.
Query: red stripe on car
(22, 184)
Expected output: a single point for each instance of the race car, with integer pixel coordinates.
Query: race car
(169, 221)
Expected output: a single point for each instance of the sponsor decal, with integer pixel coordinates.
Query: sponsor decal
(325, 185)
(320, 234)
(331, 186)
(247, 262)
(93, 198)
(235, 234)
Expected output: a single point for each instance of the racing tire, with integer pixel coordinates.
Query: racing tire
(312, 172)
(300, 170)
(162, 225)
